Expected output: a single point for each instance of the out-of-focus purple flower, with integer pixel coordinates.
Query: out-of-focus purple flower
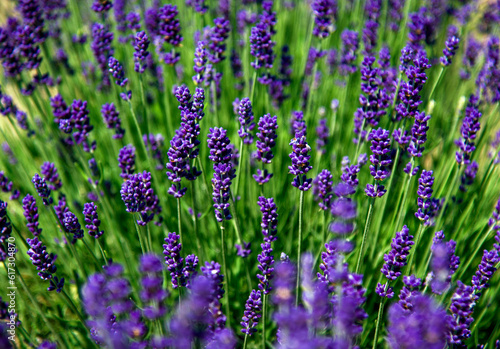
(409, 291)
(212, 271)
(168, 29)
(224, 173)
(154, 145)
(451, 47)
(138, 196)
(422, 327)
(252, 313)
(31, 215)
(416, 33)
(245, 116)
(92, 220)
(472, 50)
(126, 161)
(469, 175)
(380, 159)
(395, 260)
(300, 161)
(116, 70)
(102, 38)
(49, 172)
(112, 120)
(370, 36)
(198, 5)
(152, 292)
(200, 62)
(216, 40)
(322, 134)
(141, 44)
(266, 140)
(350, 45)
(325, 12)
(323, 189)
(469, 129)
(237, 69)
(444, 264)
(395, 14)
(494, 222)
(461, 308)
(244, 250)
(101, 6)
(42, 189)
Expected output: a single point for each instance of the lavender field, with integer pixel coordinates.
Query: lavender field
(250, 174)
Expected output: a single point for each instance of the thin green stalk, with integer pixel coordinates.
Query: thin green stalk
(195, 220)
(299, 250)
(226, 275)
(252, 89)
(365, 233)
(447, 197)
(264, 306)
(102, 251)
(139, 235)
(143, 101)
(421, 229)
(239, 237)
(70, 303)
(240, 165)
(379, 319)
(440, 76)
(38, 309)
(150, 242)
(96, 261)
(402, 210)
(476, 250)
(179, 223)
(325, 235)
(245, 341)
(213, 88)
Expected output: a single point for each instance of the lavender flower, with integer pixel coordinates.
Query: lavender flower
(73, 226)
(42, 189)
(174, 261)
(444, 264)
(323, 189)
(141, 44)
(216, 40)
(112, 120)
(43, 261)
(461, 308)
(322, 134)
(168, 28)
(102, 49)
(5, 230)
(101, 6)
(409, 292)
(31, 214)
(451, 48)
(325, 12)
(92, 220)
(245, 116)
(200, 62)
(266, 137)
(350, 45)
(211, 271)
(49, 172)
(126, 161)
(152, 292)
(154, 144)
(424, 200)
(79, 123)
(116, 70)
(300, 161)
(220, 154)
(469, 130)
(470, 56)
(395, 260)
(485, 271)
(380, 160)
(252, 314)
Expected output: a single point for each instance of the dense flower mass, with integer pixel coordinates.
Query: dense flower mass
(266, 141)
(380, 159)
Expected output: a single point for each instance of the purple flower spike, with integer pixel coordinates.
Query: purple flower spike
(245, 116)
(224, 173)
(43, 261)
(409, 291)
(485, 271)
(141, 44)
(322, 134)
(266, 137)
(112, 120)
(101, 6)
(169, 30)
(217, 40)
(102, 38)
(300, 161)
(116, 70)
(92, 220)
(419, 134)
(395, 260)
(461, 308)
(244, 250)
(451, 48)
(350, 45)
(126, 161)
(325, 12)
(469, 130)
(269, 218)
(323, 189)
(252, 314)
(200, 62)
(212, 271)
(444, 264)
(42, 189)
(49, 172)
(80, 122)
(72, 226)
(31, 214)
(59, 108)
(174, 261)
(424, 192)
(152, 292)
(380, 159)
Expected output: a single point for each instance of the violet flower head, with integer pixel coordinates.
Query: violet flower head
(152, 292)
(470, 128)
(41, 259)
(395, 14)
(485, 271)
(116, 70)
(92, 220)
(422, 327)
(42, 189)
(395, 260)
(169, 29)
(173, 259)
(32, 12)
(141, 44)
(419, 134)
(344, 211)
(472, 50)
(102, 38)
(266, 140)
(462, 305)
(325, 12)
(224, 173)
(80, 122)
(59, 108)
(200, 62)
(323, 189)
(244, 250)
(31, 215)
(49, 172)
(212, 271)
(5, 227)
(451, 47)
(266, 267)
(126, 161)
(409, 291)
(138, 196)
(494, 222)
(216, 40)
(252, 313)
(101, 6)
(424, 200)
(112, 119)
(72, 226)
(350, 45)
(269, 222)
(245, 116)
(261, 47)
(322, 134)
(416, 33)
(443, 265)
(380, 159)
(300, 161)
(154, 145)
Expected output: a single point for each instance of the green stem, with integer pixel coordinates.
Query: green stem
(264, 306)
(379, 319)
(226, 275)
(252, 89)
(447, 197)
(238, 172)
(102, 251)
(245, 341)
(440, 76)
(139, 235)
(299, 250)
(236, 224)
(421, 229)
(70, 303)
(96, 261)
(478, 248)
(179, 223)
(365, 233)
(402, 210)
(195, 220)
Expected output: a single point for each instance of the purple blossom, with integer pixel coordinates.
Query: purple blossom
(348, 56)
(200, 62)
(469, 130)
(102, 38)
(31, 215)
(472, 50)
(451, 47)
(154, 145)
(216, 40)
(72, 226)
(380, 159)
(409, 291)
(42, 189)
(116, 70)
(212, 271)
(323, 189)
(444, 264)
(112, 120)
(49, 172)
(252, 313)
(101, 6)
(424, 200)
(300, 161)
(92, 220)
(168, 29)
(152, 292)
(325, 12)
(485, 271)
(141, 44)
(266, 140)
(126, 161)
(43, 261)
(245, 116)
(462, 305)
